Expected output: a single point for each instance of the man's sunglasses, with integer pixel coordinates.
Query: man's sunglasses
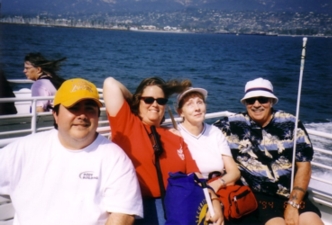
(150, 100)
(261, 100)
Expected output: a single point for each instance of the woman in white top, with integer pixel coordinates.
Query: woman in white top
(206, 143)
(43, 72)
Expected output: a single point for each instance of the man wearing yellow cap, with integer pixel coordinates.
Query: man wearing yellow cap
(261, 141)
(70, 175)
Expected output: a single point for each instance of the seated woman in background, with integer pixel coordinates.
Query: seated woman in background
(208, 146)
(43, 72)
(132, 118)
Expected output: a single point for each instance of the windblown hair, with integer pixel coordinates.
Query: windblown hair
(48, 67)
(169, 87)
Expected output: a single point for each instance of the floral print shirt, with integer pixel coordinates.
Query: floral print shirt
(264, 155)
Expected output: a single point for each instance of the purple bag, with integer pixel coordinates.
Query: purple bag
(184, 200)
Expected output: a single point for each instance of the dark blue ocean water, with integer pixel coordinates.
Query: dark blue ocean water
(220, 63)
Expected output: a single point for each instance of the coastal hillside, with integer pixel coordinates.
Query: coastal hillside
(83, 7)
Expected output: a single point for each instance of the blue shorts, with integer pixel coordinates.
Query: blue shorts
(270, 207)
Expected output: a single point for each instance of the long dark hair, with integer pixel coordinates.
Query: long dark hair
(169, 87)
(48, 67)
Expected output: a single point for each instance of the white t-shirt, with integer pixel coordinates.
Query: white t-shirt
(49, 184)
(43, 87)
(207, 148)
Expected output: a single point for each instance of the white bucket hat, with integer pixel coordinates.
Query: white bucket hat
(259, 88)
(192, 89)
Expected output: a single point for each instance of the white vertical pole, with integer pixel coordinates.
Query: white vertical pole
(298, 110)
(34, 116)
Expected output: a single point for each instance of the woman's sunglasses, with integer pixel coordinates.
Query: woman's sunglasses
(150, 100)
(261, 100)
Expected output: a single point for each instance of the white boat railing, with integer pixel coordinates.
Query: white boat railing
(27, 122)
(105, 129)
(33, 116)
(319, 196)
(320, 150)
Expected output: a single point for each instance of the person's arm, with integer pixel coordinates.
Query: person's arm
(231, 176)
(232, 170)
(40, 109)
(301, 182)
(120, 219)
(115, 93)
(218, 218)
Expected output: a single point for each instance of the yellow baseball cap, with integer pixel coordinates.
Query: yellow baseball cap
(74, 90)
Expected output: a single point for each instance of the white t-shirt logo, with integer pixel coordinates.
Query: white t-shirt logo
(88, 175)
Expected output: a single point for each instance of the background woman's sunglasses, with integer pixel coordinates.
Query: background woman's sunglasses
(261, 100)
(150, 100)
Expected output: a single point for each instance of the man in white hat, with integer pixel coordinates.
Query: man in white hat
(70, 175)
(261, 141)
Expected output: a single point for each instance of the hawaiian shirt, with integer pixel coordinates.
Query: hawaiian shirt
(264, 155)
